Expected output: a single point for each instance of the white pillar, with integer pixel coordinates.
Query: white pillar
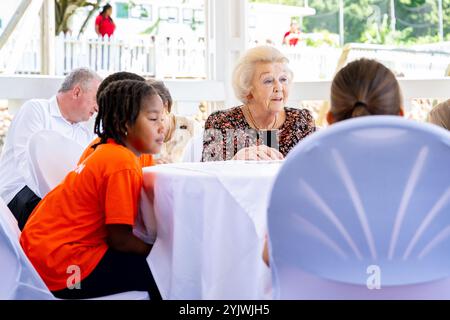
(227, 39)
(441, 21)
(48, 37)
(392, 12)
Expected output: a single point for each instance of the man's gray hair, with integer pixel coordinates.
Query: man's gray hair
(81, 76)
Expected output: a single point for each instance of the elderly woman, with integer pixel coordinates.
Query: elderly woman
(261, 81)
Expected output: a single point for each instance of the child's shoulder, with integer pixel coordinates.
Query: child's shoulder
(114, 157)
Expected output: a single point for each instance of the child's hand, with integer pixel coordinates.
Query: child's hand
(265, 254)
(120, 237)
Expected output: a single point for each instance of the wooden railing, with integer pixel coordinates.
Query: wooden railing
(178, 57)
(146, 55)
(23, 87)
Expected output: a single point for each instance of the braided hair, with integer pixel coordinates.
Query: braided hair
(119, 105)
(121, 75)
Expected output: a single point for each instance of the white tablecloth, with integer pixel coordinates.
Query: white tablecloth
(210, 222)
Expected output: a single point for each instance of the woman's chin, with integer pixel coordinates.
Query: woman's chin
(277, 107)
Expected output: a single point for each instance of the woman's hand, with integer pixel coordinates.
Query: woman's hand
(265, 255)
(261, 152)
(162, 160)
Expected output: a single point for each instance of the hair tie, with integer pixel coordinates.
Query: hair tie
(360, 104)
(360, 109)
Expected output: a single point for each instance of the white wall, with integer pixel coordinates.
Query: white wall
(186, 93)
(21, 88)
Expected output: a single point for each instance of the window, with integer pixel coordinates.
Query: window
(136, 11)
(252, 21)
(141, 11)
(199, 16)
(188, 15)
(122, 9)
(169, 14)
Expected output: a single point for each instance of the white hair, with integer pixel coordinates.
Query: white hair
(244, 70)
(81, 76)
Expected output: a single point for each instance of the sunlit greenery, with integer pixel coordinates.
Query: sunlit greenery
(369, 21)
(64, 9)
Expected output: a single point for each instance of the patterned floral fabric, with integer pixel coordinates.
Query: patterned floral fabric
(227, 132)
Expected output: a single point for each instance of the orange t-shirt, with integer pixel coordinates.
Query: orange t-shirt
(146, 160)
(68, 227)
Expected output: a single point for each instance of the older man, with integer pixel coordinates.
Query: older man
(65, 113)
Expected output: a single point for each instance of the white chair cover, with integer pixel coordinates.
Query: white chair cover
(364, 204)
(52, 156)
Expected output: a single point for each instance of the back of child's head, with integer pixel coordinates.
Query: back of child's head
(163, 92)
(119, 106)
(364, 87)
(121, 75)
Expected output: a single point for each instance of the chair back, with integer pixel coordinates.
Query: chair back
(18, 278)
(52, 157)
(361, 210)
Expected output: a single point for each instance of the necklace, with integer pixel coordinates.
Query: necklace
(254, 122)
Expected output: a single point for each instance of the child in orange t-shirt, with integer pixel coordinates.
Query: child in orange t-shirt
(79, 238)
(146, 160)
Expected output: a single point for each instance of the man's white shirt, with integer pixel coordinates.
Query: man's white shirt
(34, 116)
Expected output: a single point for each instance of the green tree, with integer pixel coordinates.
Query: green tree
(285, 2)
(64, 9)
(446, 14)
(370, 20)
(383, 34)
(357, 18)
(326, 17)
(422, 17)
(153, 29)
